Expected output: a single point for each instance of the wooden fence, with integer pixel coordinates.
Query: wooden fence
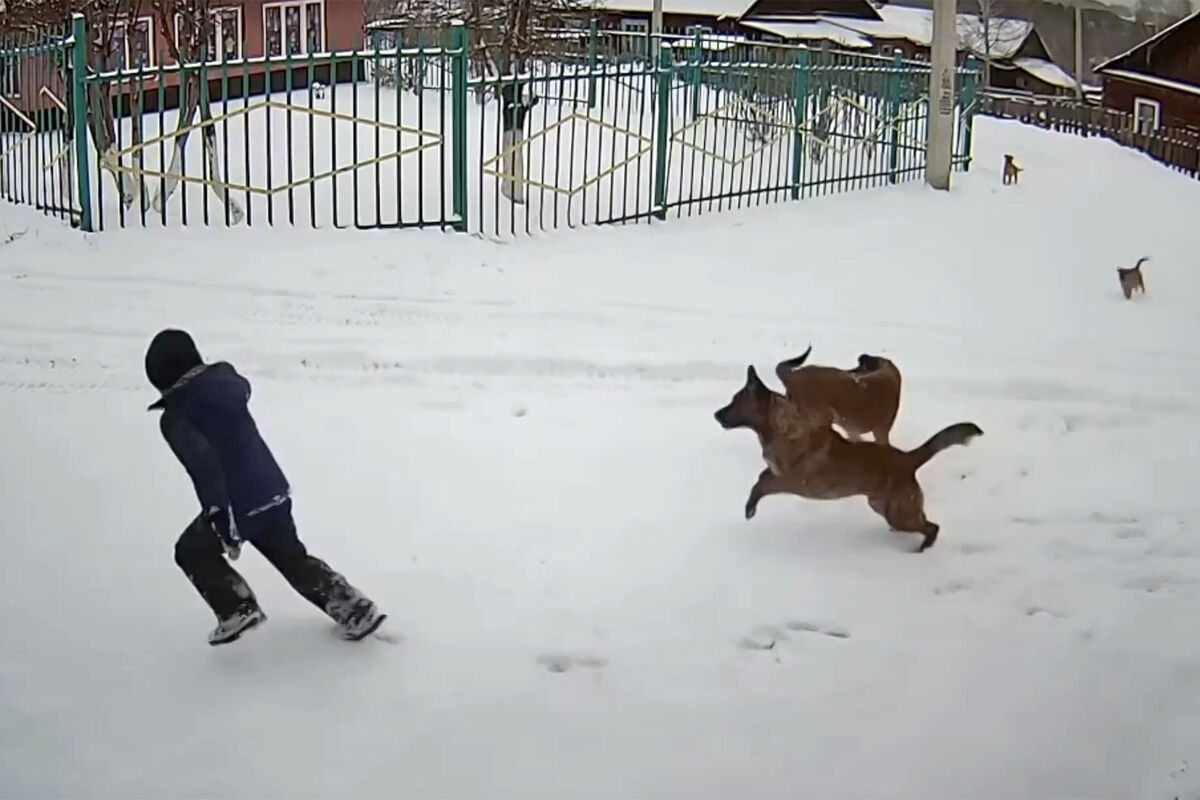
(1178, 148)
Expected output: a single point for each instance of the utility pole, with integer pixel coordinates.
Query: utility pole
(939, 147)
(656, 16)
(1079, 50)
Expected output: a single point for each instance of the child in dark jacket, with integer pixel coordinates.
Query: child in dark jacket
(243, 495)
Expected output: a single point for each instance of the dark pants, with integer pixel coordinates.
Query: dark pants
(199, 554)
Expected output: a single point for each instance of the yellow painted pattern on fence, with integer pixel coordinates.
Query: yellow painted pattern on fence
(779, 125)
(114, 161)
(22, 138)
(490, 166)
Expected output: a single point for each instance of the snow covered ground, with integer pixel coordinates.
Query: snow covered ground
(511, 447)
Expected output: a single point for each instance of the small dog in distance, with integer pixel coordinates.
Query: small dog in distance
(1131, 278)
(1011, 170)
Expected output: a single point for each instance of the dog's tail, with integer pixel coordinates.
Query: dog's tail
(1140, 261)
(958, 433)
(791, 364)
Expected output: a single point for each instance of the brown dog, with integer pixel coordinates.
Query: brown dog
(1131, 278)
(1011, 170)
(806, 457)
(859, 401)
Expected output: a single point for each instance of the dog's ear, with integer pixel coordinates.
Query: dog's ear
(752, 379)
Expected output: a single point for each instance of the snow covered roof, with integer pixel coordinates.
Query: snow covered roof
(915, 25)
(697, 8)
(1167, 31)
(1046, 71)
(897, 22)
(814, 30)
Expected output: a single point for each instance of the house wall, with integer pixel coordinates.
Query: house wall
(343, 29)
(672, 23)
(1175, 57)
(1179, 109)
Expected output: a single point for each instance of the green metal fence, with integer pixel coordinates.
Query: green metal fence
(399, 132)
(37, 153)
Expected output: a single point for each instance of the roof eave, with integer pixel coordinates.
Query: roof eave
(1146, 43)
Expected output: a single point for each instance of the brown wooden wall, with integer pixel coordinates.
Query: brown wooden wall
(1176, 56)
(1179, 109)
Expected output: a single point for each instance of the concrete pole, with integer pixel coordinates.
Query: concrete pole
(656, 19)
(1078, 50)
(939, 147)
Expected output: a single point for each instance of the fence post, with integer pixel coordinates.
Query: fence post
(458, 109)
(894, 86)
(666, 73)
(800, 116)
(970, 97)
(79, 115)
(593, 57)
(697, 71)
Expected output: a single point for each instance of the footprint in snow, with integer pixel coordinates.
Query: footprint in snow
(765, 637)
(813, 627)
(1033, 611)
(562, 662)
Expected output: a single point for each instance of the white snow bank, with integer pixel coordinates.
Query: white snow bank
(511, 447)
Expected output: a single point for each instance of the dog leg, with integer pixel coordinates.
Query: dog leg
(767, 483)
(904, 512)
(881, 437)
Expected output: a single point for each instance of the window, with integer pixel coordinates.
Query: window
(132, 46)
(1146, 114)
(298, 27)
(224, 34)
(10, 76)
(635, 44)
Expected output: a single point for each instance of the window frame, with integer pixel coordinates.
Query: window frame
(219, 54)
(303, 6)
(1146, 102)
(151, 44)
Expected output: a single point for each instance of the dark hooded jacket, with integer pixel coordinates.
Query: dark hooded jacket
(208, 426)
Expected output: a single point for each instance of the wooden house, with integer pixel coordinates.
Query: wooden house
(1158, 81)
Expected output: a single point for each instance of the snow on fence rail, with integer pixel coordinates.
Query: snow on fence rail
(403, 135)
(1178, 148)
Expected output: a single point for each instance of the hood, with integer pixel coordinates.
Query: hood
(171, 354)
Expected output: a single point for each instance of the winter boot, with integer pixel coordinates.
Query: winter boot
(362, 621)
(233, 626)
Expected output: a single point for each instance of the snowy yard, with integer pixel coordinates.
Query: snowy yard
(511, 447)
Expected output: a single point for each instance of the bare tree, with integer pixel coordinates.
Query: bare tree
(189, 30)
(109, 27)
(991, 32)
(1159, 14)
(504, 35)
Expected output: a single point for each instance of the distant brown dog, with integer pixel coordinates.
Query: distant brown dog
(1011, 170)
(806, 457)
(861, 400)
(1131, 278)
